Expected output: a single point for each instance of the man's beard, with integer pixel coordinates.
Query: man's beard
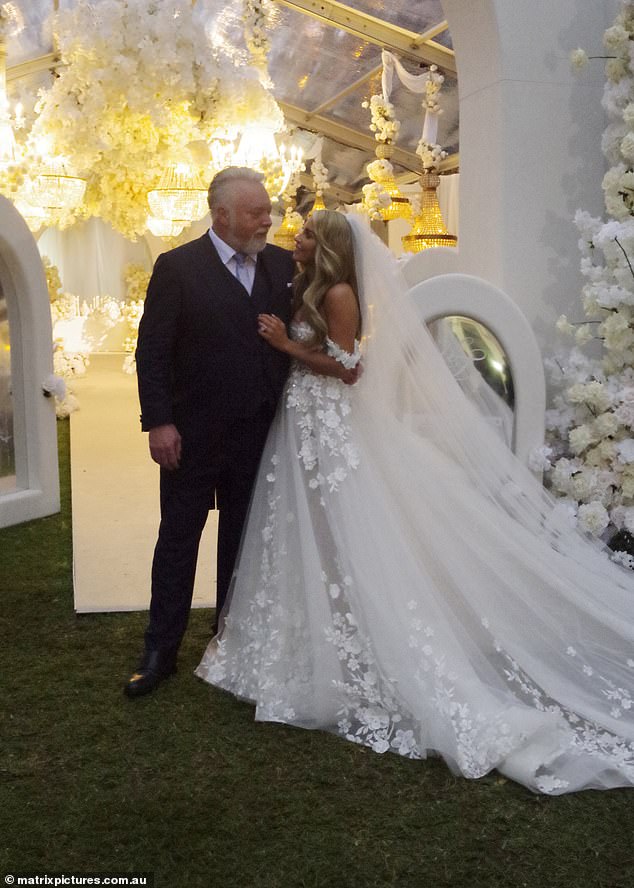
(255, 244)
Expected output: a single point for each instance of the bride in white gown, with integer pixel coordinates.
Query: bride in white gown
(403, 580)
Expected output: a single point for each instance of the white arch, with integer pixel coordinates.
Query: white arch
(461, 294)
(24, 287)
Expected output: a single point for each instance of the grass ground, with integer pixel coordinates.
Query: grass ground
(185, 785)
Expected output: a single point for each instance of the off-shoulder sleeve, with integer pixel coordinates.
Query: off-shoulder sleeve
(347, 359)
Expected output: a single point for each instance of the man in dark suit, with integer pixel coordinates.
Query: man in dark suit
(208, 387)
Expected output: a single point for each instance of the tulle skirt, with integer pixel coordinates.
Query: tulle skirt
(381, 596)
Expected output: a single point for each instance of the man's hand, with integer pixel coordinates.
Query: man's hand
(165, 446)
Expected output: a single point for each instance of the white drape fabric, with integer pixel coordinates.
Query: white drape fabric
(406, 583)
(415, 83)
(449, 201)
(90, 257)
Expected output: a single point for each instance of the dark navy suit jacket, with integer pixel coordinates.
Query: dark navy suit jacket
(200, 361)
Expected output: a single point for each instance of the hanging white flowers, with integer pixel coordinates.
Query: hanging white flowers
(591, 425)
(140, 81)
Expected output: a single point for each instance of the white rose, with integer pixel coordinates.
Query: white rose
(616, 38)
(580, 438)
(593, 518)
(605, 425)
(578, 59)
(625, 450)
(539, 459)
(627, 146)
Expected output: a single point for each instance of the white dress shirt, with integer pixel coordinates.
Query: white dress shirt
(227, 257)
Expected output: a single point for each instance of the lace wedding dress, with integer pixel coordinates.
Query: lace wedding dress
(406, 583)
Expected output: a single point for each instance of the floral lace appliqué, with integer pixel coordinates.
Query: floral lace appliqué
(322, 407)
(585, 737)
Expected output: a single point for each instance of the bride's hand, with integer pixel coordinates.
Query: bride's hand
(273, 330)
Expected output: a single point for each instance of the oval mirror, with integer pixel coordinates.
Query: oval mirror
(481, 367)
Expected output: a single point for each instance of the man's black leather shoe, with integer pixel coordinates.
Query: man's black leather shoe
(154, 668)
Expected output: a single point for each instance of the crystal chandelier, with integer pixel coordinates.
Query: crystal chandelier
(429, 228)
(35, 217)
(165, 228)
(54, 187)
(258, 149)
(180, 195)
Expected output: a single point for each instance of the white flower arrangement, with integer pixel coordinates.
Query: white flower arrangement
(578, 59)
(432, 88)
(375, 199)
(11, 20)
(63, 308)
(53, 280)
(376, 196)
(590, 428)
(383, 124)
(136, 278)
(295, 219)
(54, 386)
(380, 170)
(430, 155)
(255, 22)
(131, 312)
(140, 81)
(320, 173)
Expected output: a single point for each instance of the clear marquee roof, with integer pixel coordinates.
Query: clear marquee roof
(325, 60)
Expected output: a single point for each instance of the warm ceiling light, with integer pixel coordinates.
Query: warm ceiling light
(180, 195)
(429, 227)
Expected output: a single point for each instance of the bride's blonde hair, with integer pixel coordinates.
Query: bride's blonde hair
(334, 264)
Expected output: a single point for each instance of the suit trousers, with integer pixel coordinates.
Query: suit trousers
(218, 470)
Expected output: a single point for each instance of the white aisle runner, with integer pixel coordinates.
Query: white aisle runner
(115, 497)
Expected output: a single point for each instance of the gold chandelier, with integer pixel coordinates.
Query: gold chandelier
(180, 196)
(399, 206)
(317, 205)
(429, 228)
(291, 224)
(381, 172)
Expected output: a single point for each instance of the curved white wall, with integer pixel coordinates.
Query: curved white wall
(530, 133)
(24, 287)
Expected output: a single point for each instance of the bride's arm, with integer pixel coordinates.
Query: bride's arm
(342, 317)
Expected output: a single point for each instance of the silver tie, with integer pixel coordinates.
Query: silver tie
(241, 271)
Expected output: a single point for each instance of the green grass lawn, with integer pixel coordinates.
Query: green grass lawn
(185, 785)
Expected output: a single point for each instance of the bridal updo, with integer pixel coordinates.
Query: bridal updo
(334, 264)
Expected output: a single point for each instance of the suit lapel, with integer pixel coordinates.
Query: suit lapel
(261, 284)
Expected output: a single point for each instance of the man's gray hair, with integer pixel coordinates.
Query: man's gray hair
(225, 179)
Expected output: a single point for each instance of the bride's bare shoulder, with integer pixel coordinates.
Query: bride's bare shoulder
(340, 297)
(340, 293)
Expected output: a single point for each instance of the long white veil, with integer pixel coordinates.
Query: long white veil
(518, 578)
(406, 375)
